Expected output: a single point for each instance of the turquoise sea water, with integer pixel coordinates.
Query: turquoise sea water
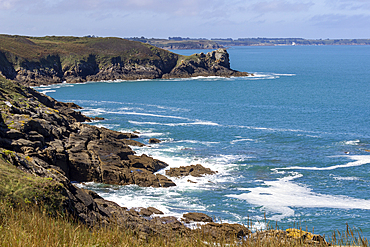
(292, 142)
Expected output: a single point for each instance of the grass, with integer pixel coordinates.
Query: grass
(31, 215)
(20, 189)
(19, 49)
(33, 227)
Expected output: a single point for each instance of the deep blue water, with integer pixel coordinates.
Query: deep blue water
(292, 142)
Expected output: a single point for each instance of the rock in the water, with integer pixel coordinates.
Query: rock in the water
(194, 170)
(154, 141)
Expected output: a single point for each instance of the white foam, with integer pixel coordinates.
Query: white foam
(150, 134)
(242, 140)
(359, 161)
(282, 195)
(175, 124)
(107, 126)
(196, 142)
(354, 143)
(147, 114)
(284, 74)
(48, 91)
(346, 178)
(93, 111)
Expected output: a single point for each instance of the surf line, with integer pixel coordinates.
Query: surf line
(359, 160)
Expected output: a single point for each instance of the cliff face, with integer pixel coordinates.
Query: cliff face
(215, 63)
(47, 60)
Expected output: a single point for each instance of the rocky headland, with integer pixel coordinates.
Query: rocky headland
(36, 61)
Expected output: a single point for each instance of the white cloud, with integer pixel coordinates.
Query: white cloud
(281, 6)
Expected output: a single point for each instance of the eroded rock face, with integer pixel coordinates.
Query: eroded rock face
(43, 72)
(52, 132)
(196, 217)
(215, 63)
(193, 170)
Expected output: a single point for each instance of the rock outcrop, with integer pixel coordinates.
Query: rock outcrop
(215, 63)
(51, 132)
(193, 170)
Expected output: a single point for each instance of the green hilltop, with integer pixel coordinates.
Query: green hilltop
(47, 60)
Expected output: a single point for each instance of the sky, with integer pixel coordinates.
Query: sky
(310, 19)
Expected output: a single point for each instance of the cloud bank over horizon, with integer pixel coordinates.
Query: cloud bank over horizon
(192, 18)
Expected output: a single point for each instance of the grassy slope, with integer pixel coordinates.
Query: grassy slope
(19, 49)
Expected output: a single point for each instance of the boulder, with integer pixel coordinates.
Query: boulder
(194, 170)
(146, 162)
(154, 141)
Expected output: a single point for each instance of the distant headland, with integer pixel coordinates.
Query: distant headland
(46, 60)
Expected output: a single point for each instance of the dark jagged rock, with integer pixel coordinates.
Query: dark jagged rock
(194, 170)
(42, 127)
(215, 63)
(154, 141)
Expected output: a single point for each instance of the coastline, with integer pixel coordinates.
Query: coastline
(57, 154)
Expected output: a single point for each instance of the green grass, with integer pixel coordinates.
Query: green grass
(19, 189)
(20, 48)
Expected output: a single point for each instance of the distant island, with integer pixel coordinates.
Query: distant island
(174, 43)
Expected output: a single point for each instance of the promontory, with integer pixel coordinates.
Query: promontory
(47, 60)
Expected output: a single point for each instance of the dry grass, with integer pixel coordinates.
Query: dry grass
(33, 227)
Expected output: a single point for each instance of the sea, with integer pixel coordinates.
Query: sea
(291, 144)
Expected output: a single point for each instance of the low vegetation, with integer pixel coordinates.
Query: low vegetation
(25, 220)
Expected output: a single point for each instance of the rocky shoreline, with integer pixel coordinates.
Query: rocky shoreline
(45, 138)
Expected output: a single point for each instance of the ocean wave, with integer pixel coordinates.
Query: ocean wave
(48, 91)
(282, 195)
(359, 161)
(242, 140)
(146, 114)
(267, 75)
(345, 178)
(197, 142)
(175, 124)
(353, 143)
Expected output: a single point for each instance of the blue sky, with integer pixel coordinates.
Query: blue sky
(188, 18)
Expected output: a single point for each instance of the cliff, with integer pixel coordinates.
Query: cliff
(46, 60)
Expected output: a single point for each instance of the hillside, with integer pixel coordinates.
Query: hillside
(47, 60)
